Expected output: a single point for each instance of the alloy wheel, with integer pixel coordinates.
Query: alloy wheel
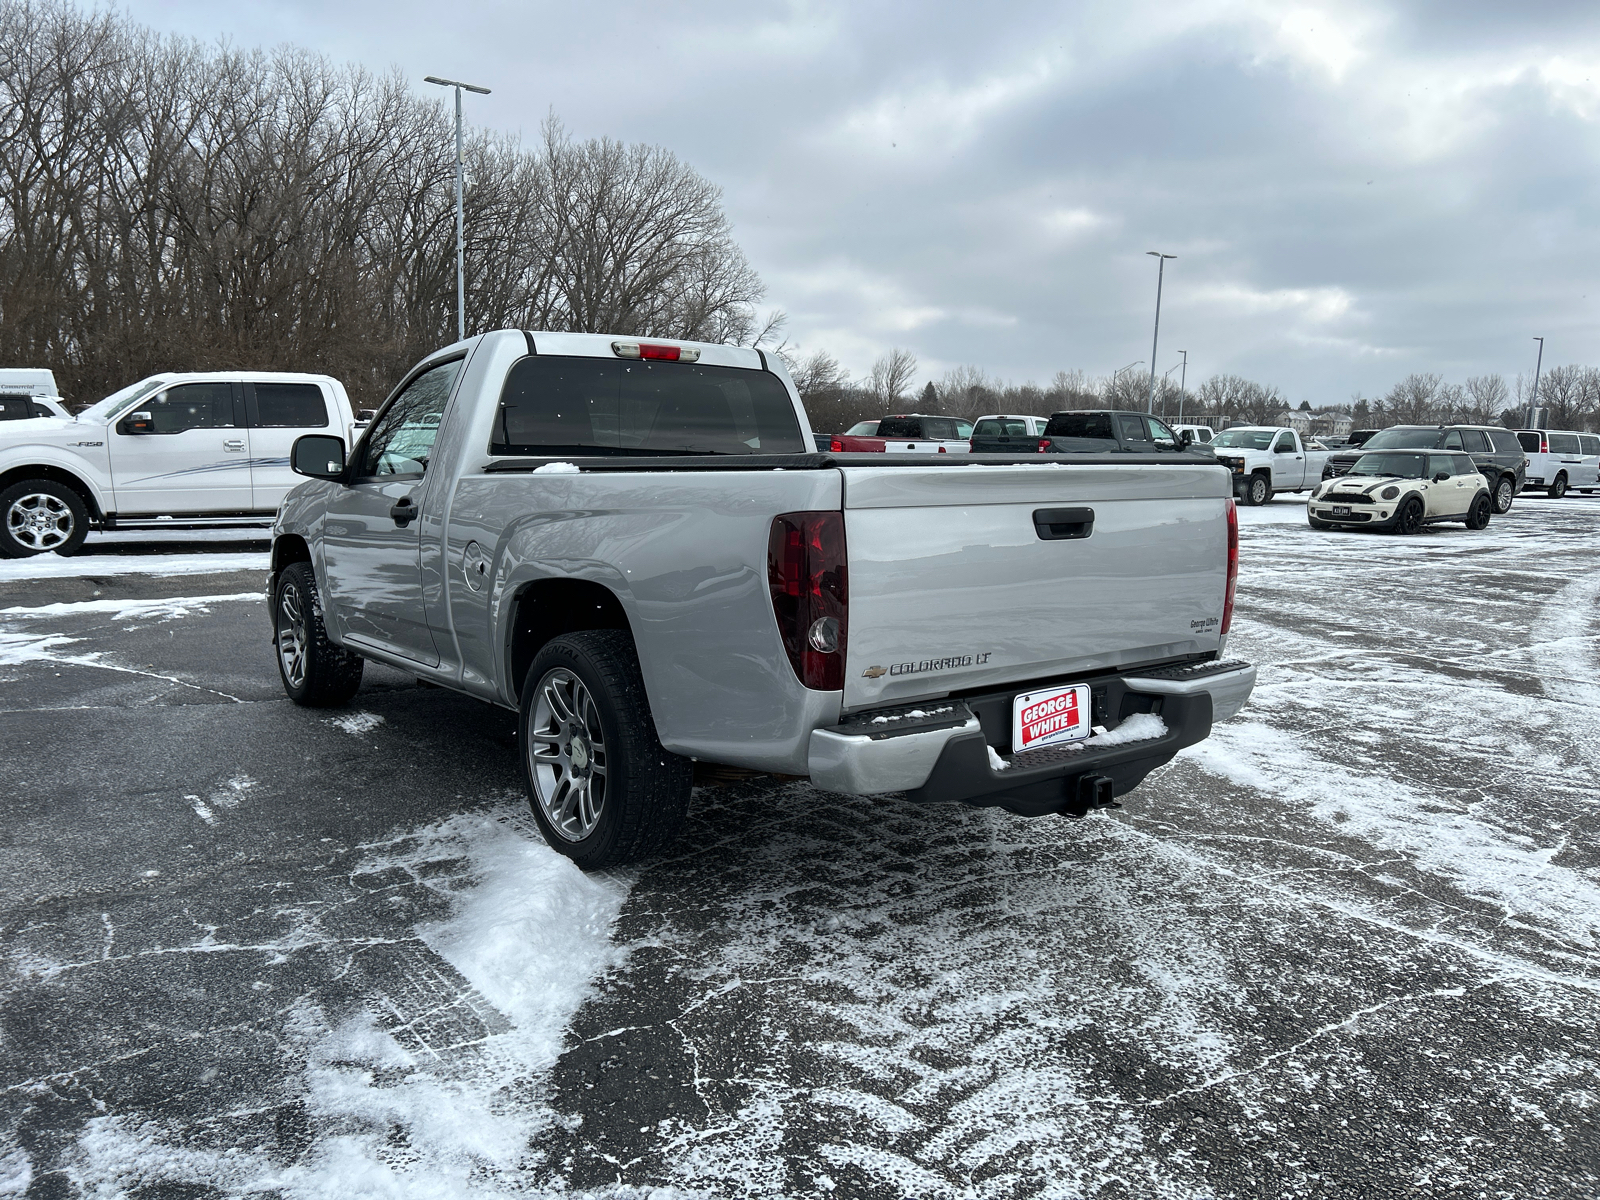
(292, 636)
(566, 752)
(40, 521)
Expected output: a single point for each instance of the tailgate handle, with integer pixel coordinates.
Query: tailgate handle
(1059, 524)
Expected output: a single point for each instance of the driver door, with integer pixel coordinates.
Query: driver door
(190, 457)
(1288, 463)
(372, 533)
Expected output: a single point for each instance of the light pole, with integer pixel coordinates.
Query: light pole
(1155, 338)
(461, 279)
(1539, 362)
(1164, 375)
(1120, 371)
(1183, 384)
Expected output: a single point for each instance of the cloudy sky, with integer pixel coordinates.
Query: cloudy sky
(1354, 191)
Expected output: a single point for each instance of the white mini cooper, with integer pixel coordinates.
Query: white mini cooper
(1403, 490)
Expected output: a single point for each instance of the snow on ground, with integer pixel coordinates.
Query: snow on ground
(1347, 946)
(152, 552)
(413, 1103)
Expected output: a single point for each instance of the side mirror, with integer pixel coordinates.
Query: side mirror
(365, 414)
(1441, 476)
(139, 422)
(1186, 437)
(318, 456)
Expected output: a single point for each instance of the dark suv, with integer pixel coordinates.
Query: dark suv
(1100, 430)
(1496, 452)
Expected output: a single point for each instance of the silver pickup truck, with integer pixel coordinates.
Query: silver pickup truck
(634, 544)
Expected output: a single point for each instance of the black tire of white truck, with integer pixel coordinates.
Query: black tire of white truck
(1257, 490)
(315, 672)
(643, 788)
(41, 515)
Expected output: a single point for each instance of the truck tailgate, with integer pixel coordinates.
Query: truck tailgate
(954, 586)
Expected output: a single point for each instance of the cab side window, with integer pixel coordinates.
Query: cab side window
(1474, 441)
(290, 406)
(1464, 465)
(1133, 430)
(1441, 464)
(1452, 440)
(189, 406)
(402, 437)
(1285, 444)
(1163, 437)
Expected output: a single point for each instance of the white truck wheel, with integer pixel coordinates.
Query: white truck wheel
(41, 515)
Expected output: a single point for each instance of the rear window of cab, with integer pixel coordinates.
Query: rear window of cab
(556, 404)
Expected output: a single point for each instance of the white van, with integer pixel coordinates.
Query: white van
(1560, 459)
(28, 392)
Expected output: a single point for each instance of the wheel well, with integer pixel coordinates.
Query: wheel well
(55, 475)
(290, 548)
(551, 607)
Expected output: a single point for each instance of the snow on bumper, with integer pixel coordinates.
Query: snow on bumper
(942, 751)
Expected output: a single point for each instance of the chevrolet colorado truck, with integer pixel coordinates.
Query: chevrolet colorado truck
(171, 451)
(635, 545)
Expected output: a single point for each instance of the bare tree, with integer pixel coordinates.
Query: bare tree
(891, 377)
(1486, 398)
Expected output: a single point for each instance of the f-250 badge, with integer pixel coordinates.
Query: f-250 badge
(928, 664)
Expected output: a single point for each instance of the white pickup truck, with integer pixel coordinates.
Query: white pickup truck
(184, 450)
(635, 545)
(1266, 460)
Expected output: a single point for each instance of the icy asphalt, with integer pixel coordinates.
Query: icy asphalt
(1347, 947)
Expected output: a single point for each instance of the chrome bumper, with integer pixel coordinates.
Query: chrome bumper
(866, 764)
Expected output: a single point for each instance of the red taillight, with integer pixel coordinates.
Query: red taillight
(1233, 566)
(1044, 444)
(836, 446)
(1544, 444)
(665, 353)
(806, 575)
(656, 351)
(942, 450)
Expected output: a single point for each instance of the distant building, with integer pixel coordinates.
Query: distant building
(1332, 424)
(1294, 419)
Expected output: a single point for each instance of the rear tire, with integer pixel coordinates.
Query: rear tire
(1504, 492)
(315, 672)
(1558, 488)
(41, 515)
(1478, 515)
(602, 788)
(1409, 519)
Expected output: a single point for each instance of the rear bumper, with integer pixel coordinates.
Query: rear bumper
(940, 752)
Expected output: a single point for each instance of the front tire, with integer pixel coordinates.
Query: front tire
(315, 672)
(602, 788)
(1478, 515)
(1558, 488)
(1409, 519)
(41, 515)
(1317, 523)
(1257, 491)
(1504, 492)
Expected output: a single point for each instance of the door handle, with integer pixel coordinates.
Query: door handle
(233, 444)
(1062, 524)
(403, 511)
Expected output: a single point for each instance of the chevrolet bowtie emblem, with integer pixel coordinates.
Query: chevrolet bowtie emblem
(874, 672)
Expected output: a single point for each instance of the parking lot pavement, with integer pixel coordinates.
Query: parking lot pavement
(1345, 947)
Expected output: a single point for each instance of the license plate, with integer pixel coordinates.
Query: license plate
(1341, 510)
(1047, 718)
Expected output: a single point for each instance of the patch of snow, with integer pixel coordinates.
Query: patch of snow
(914, 713)
(527, 930)
(996, 763)
(356, 723)
(125, 610)
(53, 566)
(1140, 727)
(557, 468)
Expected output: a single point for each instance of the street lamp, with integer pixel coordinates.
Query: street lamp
(1129, 367)
(1161, 270)
(1539, 362)
(461, 281)
(1183, 384)
(1164, 375)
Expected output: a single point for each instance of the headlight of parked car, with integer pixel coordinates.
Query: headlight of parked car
(1389, 493)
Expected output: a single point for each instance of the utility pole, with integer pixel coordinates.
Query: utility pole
(461, 162)
(1534, 403)
(1155, 338)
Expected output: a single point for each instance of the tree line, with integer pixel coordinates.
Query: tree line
(173, 206)
(835, 401)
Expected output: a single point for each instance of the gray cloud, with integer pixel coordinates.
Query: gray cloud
(1354, 191)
